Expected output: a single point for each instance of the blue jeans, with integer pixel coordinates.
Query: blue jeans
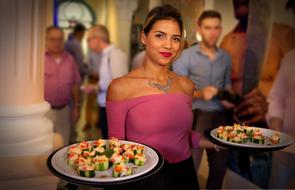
(254, 166)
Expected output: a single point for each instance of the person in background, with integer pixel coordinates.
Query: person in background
(73, 46)
(235, 43)
(114, 64)
(209, 67)
(253, 107)
(252, 110)
(94, 61)
(280, 117)
(62, 84)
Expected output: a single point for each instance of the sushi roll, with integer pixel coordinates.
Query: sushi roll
(219, 131)
(248, 130)
(223, 136)
(75, 150)
(236, 139)
(85, 146)
(138, 149)
(126, 147)
(258, 138)
(238, 129)
(128, 155)
(71, 160)
(243, 137)
(117, 149)
(139, 160)
(228, 128)
(82, 161)
(86, 170)
(116, 159)
(114, 142)
(89, 154)
(99, 150)
(121, 170)
(101, 163)
(99, 143)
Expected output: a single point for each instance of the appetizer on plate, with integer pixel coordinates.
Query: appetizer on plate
(89, 157)
(121, 170)
(243, 134)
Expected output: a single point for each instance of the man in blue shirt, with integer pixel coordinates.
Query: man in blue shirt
(209, 67)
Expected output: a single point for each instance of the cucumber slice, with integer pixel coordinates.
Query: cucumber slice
(138, 162)
(116, 174)
(86, 173)
(254, 140)
(71, 163)
(101, 166)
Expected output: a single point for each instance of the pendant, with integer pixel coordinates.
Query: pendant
(164, 88)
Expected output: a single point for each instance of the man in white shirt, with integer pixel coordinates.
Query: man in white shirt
(114, 64)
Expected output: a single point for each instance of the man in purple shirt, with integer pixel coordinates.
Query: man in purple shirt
(74, 47)
(61, 81)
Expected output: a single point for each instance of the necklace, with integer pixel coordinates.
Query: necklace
(165, 88)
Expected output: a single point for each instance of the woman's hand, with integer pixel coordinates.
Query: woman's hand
(205, 143)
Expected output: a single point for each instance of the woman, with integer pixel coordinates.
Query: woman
(152, 105)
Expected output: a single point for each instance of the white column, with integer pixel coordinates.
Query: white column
(23, 128)
(125, 9)
(26, 136)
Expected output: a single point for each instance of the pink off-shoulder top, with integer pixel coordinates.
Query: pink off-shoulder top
(162, 121)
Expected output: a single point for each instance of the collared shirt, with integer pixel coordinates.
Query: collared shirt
(59, 79)
(105, 75)
(94, 61)
(73, 46)
(197, 66)
(281, 98)
(114, 64)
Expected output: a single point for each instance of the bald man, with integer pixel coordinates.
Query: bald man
(114, 64)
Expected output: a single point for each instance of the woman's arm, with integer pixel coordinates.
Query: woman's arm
(197, 140)
(116, 110)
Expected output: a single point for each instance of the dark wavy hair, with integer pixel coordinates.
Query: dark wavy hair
(164, 12)
(209, 14)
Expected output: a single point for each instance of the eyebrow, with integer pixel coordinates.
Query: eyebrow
(175, 35)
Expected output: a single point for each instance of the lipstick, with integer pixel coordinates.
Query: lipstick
(166, 54)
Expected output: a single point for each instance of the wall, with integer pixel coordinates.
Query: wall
(281, 15)
(225, 7)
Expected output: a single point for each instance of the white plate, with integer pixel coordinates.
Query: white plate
(59, 163)
(285, 140)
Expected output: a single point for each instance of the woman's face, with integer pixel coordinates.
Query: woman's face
(163, 41)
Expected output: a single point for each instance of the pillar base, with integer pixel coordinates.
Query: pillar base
(25, 131)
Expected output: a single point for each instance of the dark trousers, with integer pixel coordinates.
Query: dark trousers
(103, 122)
(217, 160)
(177, 176)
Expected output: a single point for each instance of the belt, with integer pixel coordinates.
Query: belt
(58, 107)
(208, 112)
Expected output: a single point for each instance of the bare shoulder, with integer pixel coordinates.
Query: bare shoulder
(186, 84)
(116, 89)
(121, 88)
